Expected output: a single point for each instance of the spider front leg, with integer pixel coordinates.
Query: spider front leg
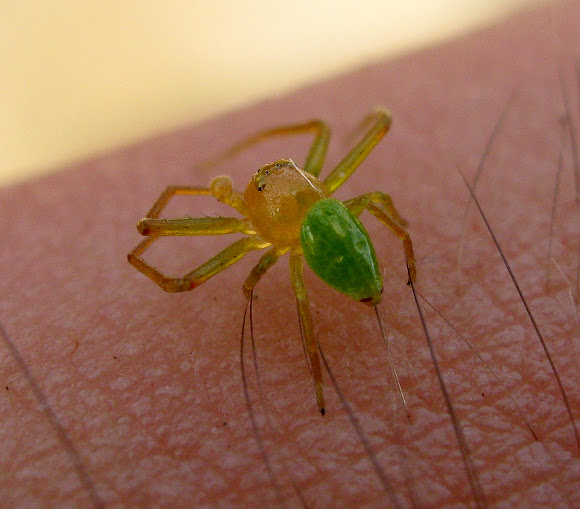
(381, 206)
(153, 227)
(309, 340)
(172, 191)
(206, 270)
(220, 188)
(381, 124)
(314, 159)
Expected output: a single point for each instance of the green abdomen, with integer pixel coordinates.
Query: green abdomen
(338, 249)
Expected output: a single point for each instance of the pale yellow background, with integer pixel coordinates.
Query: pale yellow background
(78, 77)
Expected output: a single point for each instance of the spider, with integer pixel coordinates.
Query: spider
(288, 209)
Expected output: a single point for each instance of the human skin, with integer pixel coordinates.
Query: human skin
(147, 385)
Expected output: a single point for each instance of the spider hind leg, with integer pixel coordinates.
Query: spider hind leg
(381, 206)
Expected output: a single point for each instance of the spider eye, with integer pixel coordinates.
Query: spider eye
(267, 172)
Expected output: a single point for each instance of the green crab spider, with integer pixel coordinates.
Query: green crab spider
(288, 209)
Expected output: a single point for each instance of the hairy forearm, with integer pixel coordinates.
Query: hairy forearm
(147, 385)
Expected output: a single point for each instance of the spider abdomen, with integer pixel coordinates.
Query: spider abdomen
(337, 248)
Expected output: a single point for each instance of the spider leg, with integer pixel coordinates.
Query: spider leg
(194, 226)
(358, 204)
(340, 174)
(309, 340)
(220, 188)
(153, 227)
(172, 191)
(316, 155)
(206, 270)
(381, 206)
(268, 259)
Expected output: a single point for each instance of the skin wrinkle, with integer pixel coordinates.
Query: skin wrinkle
(177, 434)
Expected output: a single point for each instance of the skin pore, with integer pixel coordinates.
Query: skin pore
(147, 385)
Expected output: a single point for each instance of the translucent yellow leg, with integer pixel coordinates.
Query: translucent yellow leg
(267, 260)
(316, 155)
(154, 228)
(340, 174)
(206, 270)
(381, 206)
(309, 340)
(194, 226)
(172, 191)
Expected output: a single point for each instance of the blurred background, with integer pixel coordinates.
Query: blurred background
(77, 78)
